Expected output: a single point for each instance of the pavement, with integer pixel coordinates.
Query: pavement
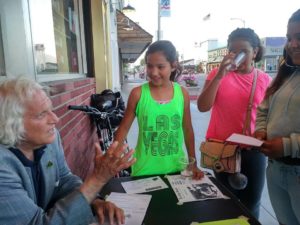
(200, 123)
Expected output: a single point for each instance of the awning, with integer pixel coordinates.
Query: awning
(132, 39)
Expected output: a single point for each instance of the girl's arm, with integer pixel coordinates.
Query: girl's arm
(208, 94)
(261, 120)
(278, 146)
(188, 131)
(207, 97)
(129, 115)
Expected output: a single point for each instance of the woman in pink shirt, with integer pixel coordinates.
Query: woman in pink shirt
(227, 93)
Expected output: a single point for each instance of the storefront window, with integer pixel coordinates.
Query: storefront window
(56, 35)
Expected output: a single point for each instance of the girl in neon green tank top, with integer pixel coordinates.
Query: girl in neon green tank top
(162, 108)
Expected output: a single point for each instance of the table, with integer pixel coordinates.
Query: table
(163, 208)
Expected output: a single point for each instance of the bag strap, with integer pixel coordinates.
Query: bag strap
(215, 140)
(247, 127)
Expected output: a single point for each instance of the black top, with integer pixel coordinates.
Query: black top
(35, 168)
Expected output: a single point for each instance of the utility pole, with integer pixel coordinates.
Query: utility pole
(158, 21)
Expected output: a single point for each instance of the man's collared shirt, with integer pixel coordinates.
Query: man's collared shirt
(37, 176)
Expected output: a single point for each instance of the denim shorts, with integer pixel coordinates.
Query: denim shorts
(284, 189)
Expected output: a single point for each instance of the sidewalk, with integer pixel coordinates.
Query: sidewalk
(200, 123)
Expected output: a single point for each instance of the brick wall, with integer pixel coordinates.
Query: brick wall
(77, 132)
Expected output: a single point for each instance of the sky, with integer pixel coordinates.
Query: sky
(186, 26)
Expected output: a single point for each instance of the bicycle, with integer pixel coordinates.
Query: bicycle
(106, 121)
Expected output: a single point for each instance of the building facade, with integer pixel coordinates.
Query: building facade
(273, 51)
(215, 57)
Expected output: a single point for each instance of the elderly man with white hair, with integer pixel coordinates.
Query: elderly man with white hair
(36, 184)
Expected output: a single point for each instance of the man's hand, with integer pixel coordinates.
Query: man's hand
(105, 167)
(113, 161)
(109, 209)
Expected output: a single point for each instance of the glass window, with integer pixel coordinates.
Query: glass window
(56, 35)
(2, 62)
(15, 39)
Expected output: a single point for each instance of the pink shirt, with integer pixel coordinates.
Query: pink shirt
(232, 98)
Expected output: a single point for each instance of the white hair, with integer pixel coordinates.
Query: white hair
(14, 94)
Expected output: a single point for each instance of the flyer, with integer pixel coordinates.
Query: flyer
(188, 190)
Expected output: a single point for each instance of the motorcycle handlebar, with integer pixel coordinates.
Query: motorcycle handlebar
(84, 108)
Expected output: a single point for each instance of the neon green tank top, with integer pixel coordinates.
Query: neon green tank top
(160, 139)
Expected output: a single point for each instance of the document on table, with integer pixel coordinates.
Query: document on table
(144, 185)
(236, 221)
(246, 140)
(134, 206)
(189, 190)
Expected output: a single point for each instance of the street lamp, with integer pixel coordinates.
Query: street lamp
(199, 44)
(240, 19)
(128, 8)
(114, 4)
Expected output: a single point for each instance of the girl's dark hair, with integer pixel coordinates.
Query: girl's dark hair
(286, 66)
(249, 35)
(169, 51)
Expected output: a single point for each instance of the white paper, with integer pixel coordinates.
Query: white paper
(144, 185)
(189, 190)
(134, 206)
(246, 140)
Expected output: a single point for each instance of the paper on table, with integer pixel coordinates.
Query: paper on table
(224, 222)
(189, 190)
(134, 213)
(144, 185)
(243, 139)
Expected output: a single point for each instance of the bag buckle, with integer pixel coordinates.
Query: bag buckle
(218, 166)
